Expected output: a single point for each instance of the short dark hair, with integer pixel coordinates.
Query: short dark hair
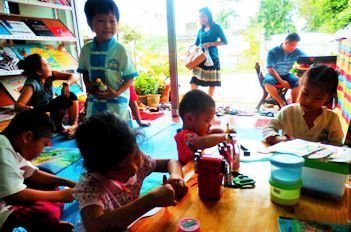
(208, 13)
(322, 76)
(94, 7)
(292, 37)
(30, 65)
(36, 121)
(195, 102)
(104, 140)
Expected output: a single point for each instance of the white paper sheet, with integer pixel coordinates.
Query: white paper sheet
(147, 214)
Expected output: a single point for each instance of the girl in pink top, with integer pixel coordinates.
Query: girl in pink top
(108, 193)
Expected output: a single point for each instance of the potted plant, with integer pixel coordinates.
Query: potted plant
(146, 85)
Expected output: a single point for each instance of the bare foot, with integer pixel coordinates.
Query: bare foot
(66, 227)
(72, 130)
(144, 124)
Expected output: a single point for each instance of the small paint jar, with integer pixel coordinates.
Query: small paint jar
(189, 224)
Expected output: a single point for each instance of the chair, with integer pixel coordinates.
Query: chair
(265, 99)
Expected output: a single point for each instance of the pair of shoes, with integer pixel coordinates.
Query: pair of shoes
(229, 110)
(153, 110)
(220, 111)
(266, 113)
(164, 106)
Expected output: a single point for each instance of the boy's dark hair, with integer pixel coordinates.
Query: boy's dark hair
(38, 122)
(292, 37)
(208, 13)
(30, 65)
(323, 77)
(104, 140)
(195, 102)
(94, 7)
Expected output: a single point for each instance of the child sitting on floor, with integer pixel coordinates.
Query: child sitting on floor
(197, 110)
(37, 92)
(108, 193)
(27, 196)
(309, 119)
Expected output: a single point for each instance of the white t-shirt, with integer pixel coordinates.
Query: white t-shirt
(13, 170)
(326, 128)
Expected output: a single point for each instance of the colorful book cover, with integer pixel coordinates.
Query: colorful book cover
(62, 2)
(13, 85)
(296, 225)
(63, 58)
(24, 50)
(3, 30)
(57, 28)
(38, 27)
(8, 60)
(17, 28)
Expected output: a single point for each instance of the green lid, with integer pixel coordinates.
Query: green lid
(284, 186)
(342, 168)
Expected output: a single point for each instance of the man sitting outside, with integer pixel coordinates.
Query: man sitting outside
(280, 60)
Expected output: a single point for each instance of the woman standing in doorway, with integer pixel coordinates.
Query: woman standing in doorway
(209, 37)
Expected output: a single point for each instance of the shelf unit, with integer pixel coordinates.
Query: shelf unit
(31, 9)
(38, 38)
(42, 4)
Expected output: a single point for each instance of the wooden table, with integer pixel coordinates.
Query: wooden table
(245, 209)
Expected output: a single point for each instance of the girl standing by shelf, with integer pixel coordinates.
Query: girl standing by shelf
(37, 92)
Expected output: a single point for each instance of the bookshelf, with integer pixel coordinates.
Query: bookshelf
(38, 38)
(53, 26)
(42, 4)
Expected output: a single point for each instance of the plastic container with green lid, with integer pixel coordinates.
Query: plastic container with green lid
(286, 168)
(285, 194)
(328, 178)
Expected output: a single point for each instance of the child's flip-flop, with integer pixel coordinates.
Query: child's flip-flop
(220, 111)
(266, 113)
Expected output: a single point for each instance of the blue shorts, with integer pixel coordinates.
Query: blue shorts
(291, 78)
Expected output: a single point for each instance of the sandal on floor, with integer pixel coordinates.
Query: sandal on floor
(220, 111)
(231, 111)
(266, 113)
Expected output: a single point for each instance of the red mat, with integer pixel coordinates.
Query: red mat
(149, 116)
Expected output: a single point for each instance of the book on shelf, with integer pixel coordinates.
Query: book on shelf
(57, 28)
(8, 60)
(38, 27)
(17, 28)
(58, 2)
(61, 2)
(13, 85)
(24, 50)
(3, 30)
(63, 58)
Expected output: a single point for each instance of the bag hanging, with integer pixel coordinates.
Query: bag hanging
(194, 57)
(209, 61)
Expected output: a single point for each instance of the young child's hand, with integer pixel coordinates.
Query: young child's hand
(216, 131)
(65, 90)
(276, 139)
(66, 195)
(179, 187)
(109, 93)
(164, 195)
